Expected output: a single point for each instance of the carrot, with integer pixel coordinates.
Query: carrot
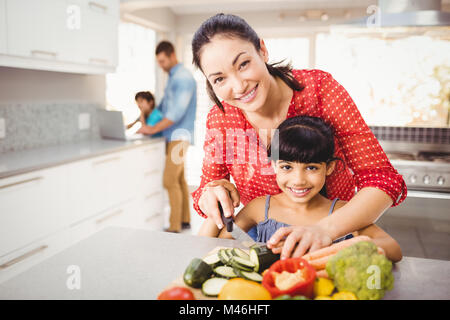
(322, 274)
(320, 263)
(334, 248)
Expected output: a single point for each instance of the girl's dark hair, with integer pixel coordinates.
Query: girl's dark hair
(147, 95)
(304, 139)
(233, 26)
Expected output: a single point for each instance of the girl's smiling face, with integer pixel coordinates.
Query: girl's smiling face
(237, 71)
(302, 181)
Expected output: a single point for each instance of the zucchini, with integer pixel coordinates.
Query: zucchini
(249, 275)
(242, 263)
(253, 276)
(240, 253)
(197, 272)
(212, 287)
(225, 272)
(262, 257)
(230, 253)
(223, 256)
(213, 260)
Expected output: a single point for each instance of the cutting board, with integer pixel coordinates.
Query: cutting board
(178, 282)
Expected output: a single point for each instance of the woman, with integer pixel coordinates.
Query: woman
(256, 98)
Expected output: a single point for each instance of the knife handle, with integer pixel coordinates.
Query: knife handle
(228, 221)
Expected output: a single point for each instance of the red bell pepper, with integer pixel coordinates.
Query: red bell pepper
(291, 265)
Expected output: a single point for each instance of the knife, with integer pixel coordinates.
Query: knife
(236, 231)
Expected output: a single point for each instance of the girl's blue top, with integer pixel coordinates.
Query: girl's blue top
(265, 229)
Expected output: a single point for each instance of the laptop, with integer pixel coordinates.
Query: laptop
(112, 126)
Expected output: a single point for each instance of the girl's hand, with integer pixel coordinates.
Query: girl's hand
(300, 238)
(223, 191)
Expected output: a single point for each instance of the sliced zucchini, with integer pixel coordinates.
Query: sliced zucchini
(240, 253)
(242, 263)
(253, 276)
(223, 256)
(262, 257)
(212, 287)
(213, 260)
(225, 272)
(196, 273)
(230, 253)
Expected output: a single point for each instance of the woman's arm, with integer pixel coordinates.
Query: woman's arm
(384, 241)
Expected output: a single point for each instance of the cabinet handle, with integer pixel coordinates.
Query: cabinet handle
(103, 219)
(20, 182)
(152, 194)
(105, 161)
(153, 216)
(104, 61)
(23, 257)
(48, 53)
(149, 173)
(98, 5)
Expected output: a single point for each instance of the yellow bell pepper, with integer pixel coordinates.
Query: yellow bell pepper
(344, 295)
(242, 289)
(323, 298)
(323, 287)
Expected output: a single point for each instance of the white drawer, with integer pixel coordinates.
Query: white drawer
(31, 207)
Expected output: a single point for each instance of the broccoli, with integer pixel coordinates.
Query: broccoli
(352, 267)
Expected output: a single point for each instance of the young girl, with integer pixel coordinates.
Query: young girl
(149, 116)
(302, 161)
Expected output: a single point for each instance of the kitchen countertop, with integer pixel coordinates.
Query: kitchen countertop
(122, 263)
(19, 162)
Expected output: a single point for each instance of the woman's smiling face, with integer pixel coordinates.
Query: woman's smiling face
(237, 71)
(302, 181)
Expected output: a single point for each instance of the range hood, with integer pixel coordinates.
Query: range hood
(404, 13)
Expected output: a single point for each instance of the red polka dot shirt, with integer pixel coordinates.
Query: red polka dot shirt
(230, 146)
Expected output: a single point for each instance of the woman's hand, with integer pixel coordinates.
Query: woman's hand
(222, 191)
(295, 241)
(146, 130)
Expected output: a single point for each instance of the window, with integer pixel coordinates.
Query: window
(295, 50)
(406, 77)
(135, 71)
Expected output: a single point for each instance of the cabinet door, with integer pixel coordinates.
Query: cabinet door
(31, 207)
(34, 28)
(102, 22)
(2, 26)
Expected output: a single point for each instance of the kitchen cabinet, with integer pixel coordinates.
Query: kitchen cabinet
(45, 211)
(31, 207)
(2, 26)
(61, 35)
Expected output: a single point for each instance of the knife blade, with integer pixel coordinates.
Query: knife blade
(236, 231)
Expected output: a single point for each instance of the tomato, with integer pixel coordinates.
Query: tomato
(176, 293)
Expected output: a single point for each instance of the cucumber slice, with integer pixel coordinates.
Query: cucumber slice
(212, 286)
(240, 253)
(225, 272)
(253, 276)
(213, 260)
(244, 263)
(230, 253)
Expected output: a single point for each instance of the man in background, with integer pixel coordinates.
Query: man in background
(178, 108)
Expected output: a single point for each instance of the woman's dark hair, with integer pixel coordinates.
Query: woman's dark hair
(304, 139)
(233, 26)
(147, 95)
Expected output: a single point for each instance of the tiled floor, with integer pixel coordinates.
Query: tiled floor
(424, 238)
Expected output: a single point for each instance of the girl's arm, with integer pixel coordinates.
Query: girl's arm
(384, 241)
